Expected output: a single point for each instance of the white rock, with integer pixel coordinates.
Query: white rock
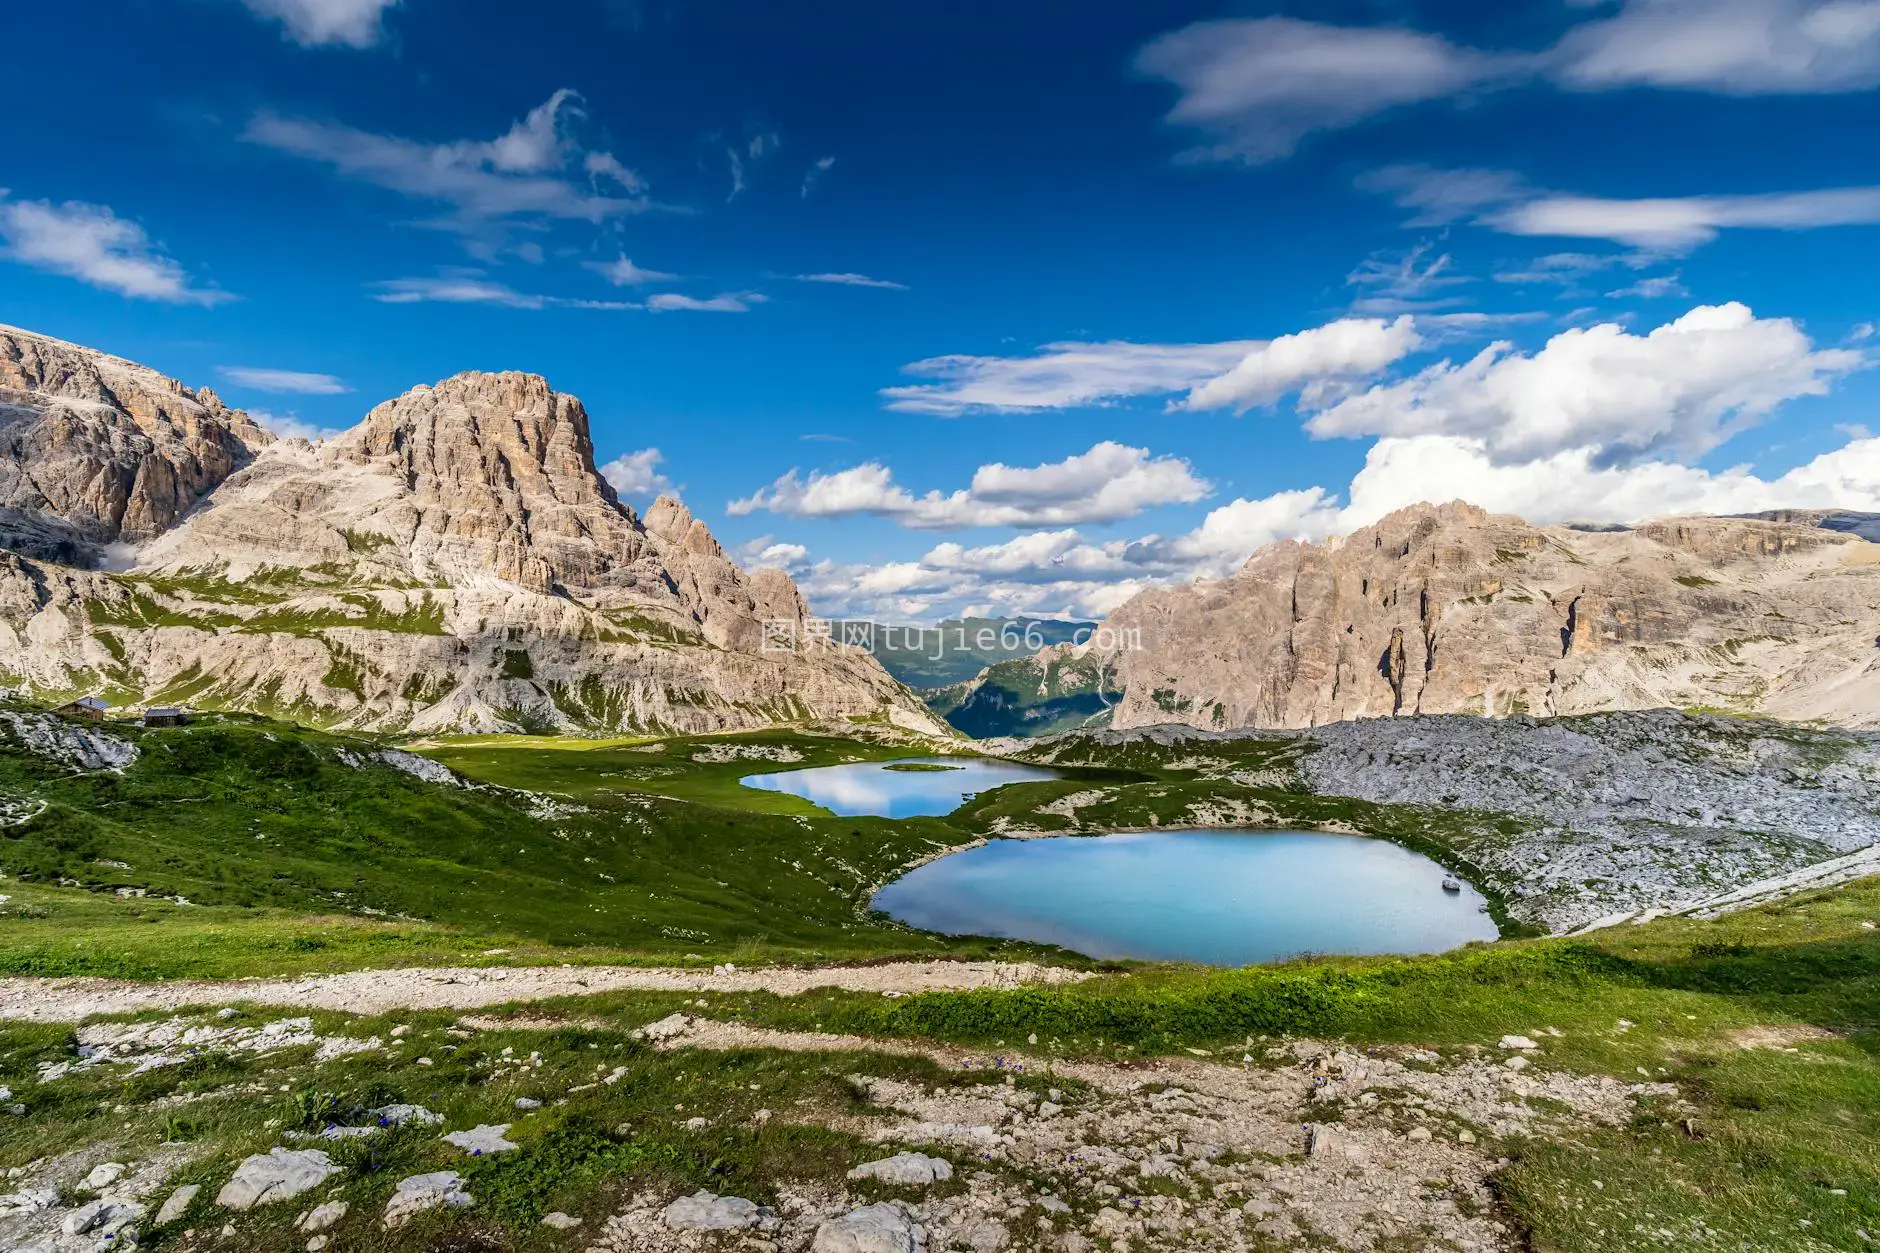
(1419, 1135)
(275, 1175)
(323, 1216)
(527, 1102)
(906, 1170)
(987, 1237)
(1517, 1062)
(559, 1221)
(177, 1203)
(704, 1211)
(1320, 1142)
(399, 1115)
(102, 1218)
(487, 1138)
(438, 1190)
(1518, 1042)
(671, 1027)
(885, 1228)
(316, 1244)
(104, 1175)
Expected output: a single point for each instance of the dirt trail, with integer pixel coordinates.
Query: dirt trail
(381, 991)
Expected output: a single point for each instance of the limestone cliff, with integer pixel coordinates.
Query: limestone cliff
(454, 562)
(1449, 609)
(95, 450)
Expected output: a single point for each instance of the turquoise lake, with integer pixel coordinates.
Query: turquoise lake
(1225, 898)
(870, 788)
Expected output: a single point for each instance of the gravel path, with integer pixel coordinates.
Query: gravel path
(381, 991)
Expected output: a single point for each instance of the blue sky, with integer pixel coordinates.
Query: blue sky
(1569, 260)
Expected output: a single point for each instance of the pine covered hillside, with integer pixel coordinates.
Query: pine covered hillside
(453, 563)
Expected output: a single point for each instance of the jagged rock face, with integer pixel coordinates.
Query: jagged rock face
(95, 450)
(1448, 609)
(455, 562)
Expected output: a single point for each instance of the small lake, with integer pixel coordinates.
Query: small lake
(1223, 898)
(875, 788)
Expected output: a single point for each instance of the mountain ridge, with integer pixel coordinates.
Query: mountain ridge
(455, 562)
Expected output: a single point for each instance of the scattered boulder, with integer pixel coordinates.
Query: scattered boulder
(987, 1237)
(671, 1027)
(1518, 1042)
(884, 1228)
(1320, 1142)
(704, 1211)
(527, 1103)
(104, 1175)
(275, 1175)
(399, 1115)
(102, 1219)
(179, 1201)
(487, 1138)
(906, 1170)
(30, 1201)
(558, 1221)
(441, 1189)
(321, 1217)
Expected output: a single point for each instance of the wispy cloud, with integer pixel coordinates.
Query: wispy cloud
(1406, 282)
(1657, 287)
(1258, 86)
(813, 175)
(313, 23)
(728, 302)
(92, 244)
(297, 382)
(1061, 376)
(623, 273)
(473, 289)
(852, 280)
(1504, 202)
(523, 173)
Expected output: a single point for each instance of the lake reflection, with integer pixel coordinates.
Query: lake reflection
(1224, 898)
(869, 787)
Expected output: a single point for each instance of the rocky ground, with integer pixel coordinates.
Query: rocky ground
(1286, 1141)
(379, 991)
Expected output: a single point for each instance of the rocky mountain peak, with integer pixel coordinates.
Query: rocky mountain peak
(95, 449)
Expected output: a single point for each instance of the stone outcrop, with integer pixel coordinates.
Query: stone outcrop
(95, 450)
(454, 562)
(1449, 609)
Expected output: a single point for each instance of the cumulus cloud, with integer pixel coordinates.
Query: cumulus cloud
(522, 174)
(1258, 86)
(313, 23)
(1109, 482)
(851, 280)
(1683, 388)
(292, 426)
(1321, 358)
(637, 473)
(92, 244)
(261, 379)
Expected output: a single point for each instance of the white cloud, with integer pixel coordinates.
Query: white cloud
(1109, 482)
(637, 473)
(1405, 282)
(1575, 485)
(1733, 47)
(851, 280)
(1061, 376)
(813, 175)
(728, 302)
(521, 174)
(472, 289)
(292, 426)
(1656, 287)
(312, 23)
(1683, 388)
(298, 382)
(606, 165)
(92, 244)
(623, 273)
(768, 552)
(1860, 333)
(1323, 357)
(1656, 225)
(1259, 86)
